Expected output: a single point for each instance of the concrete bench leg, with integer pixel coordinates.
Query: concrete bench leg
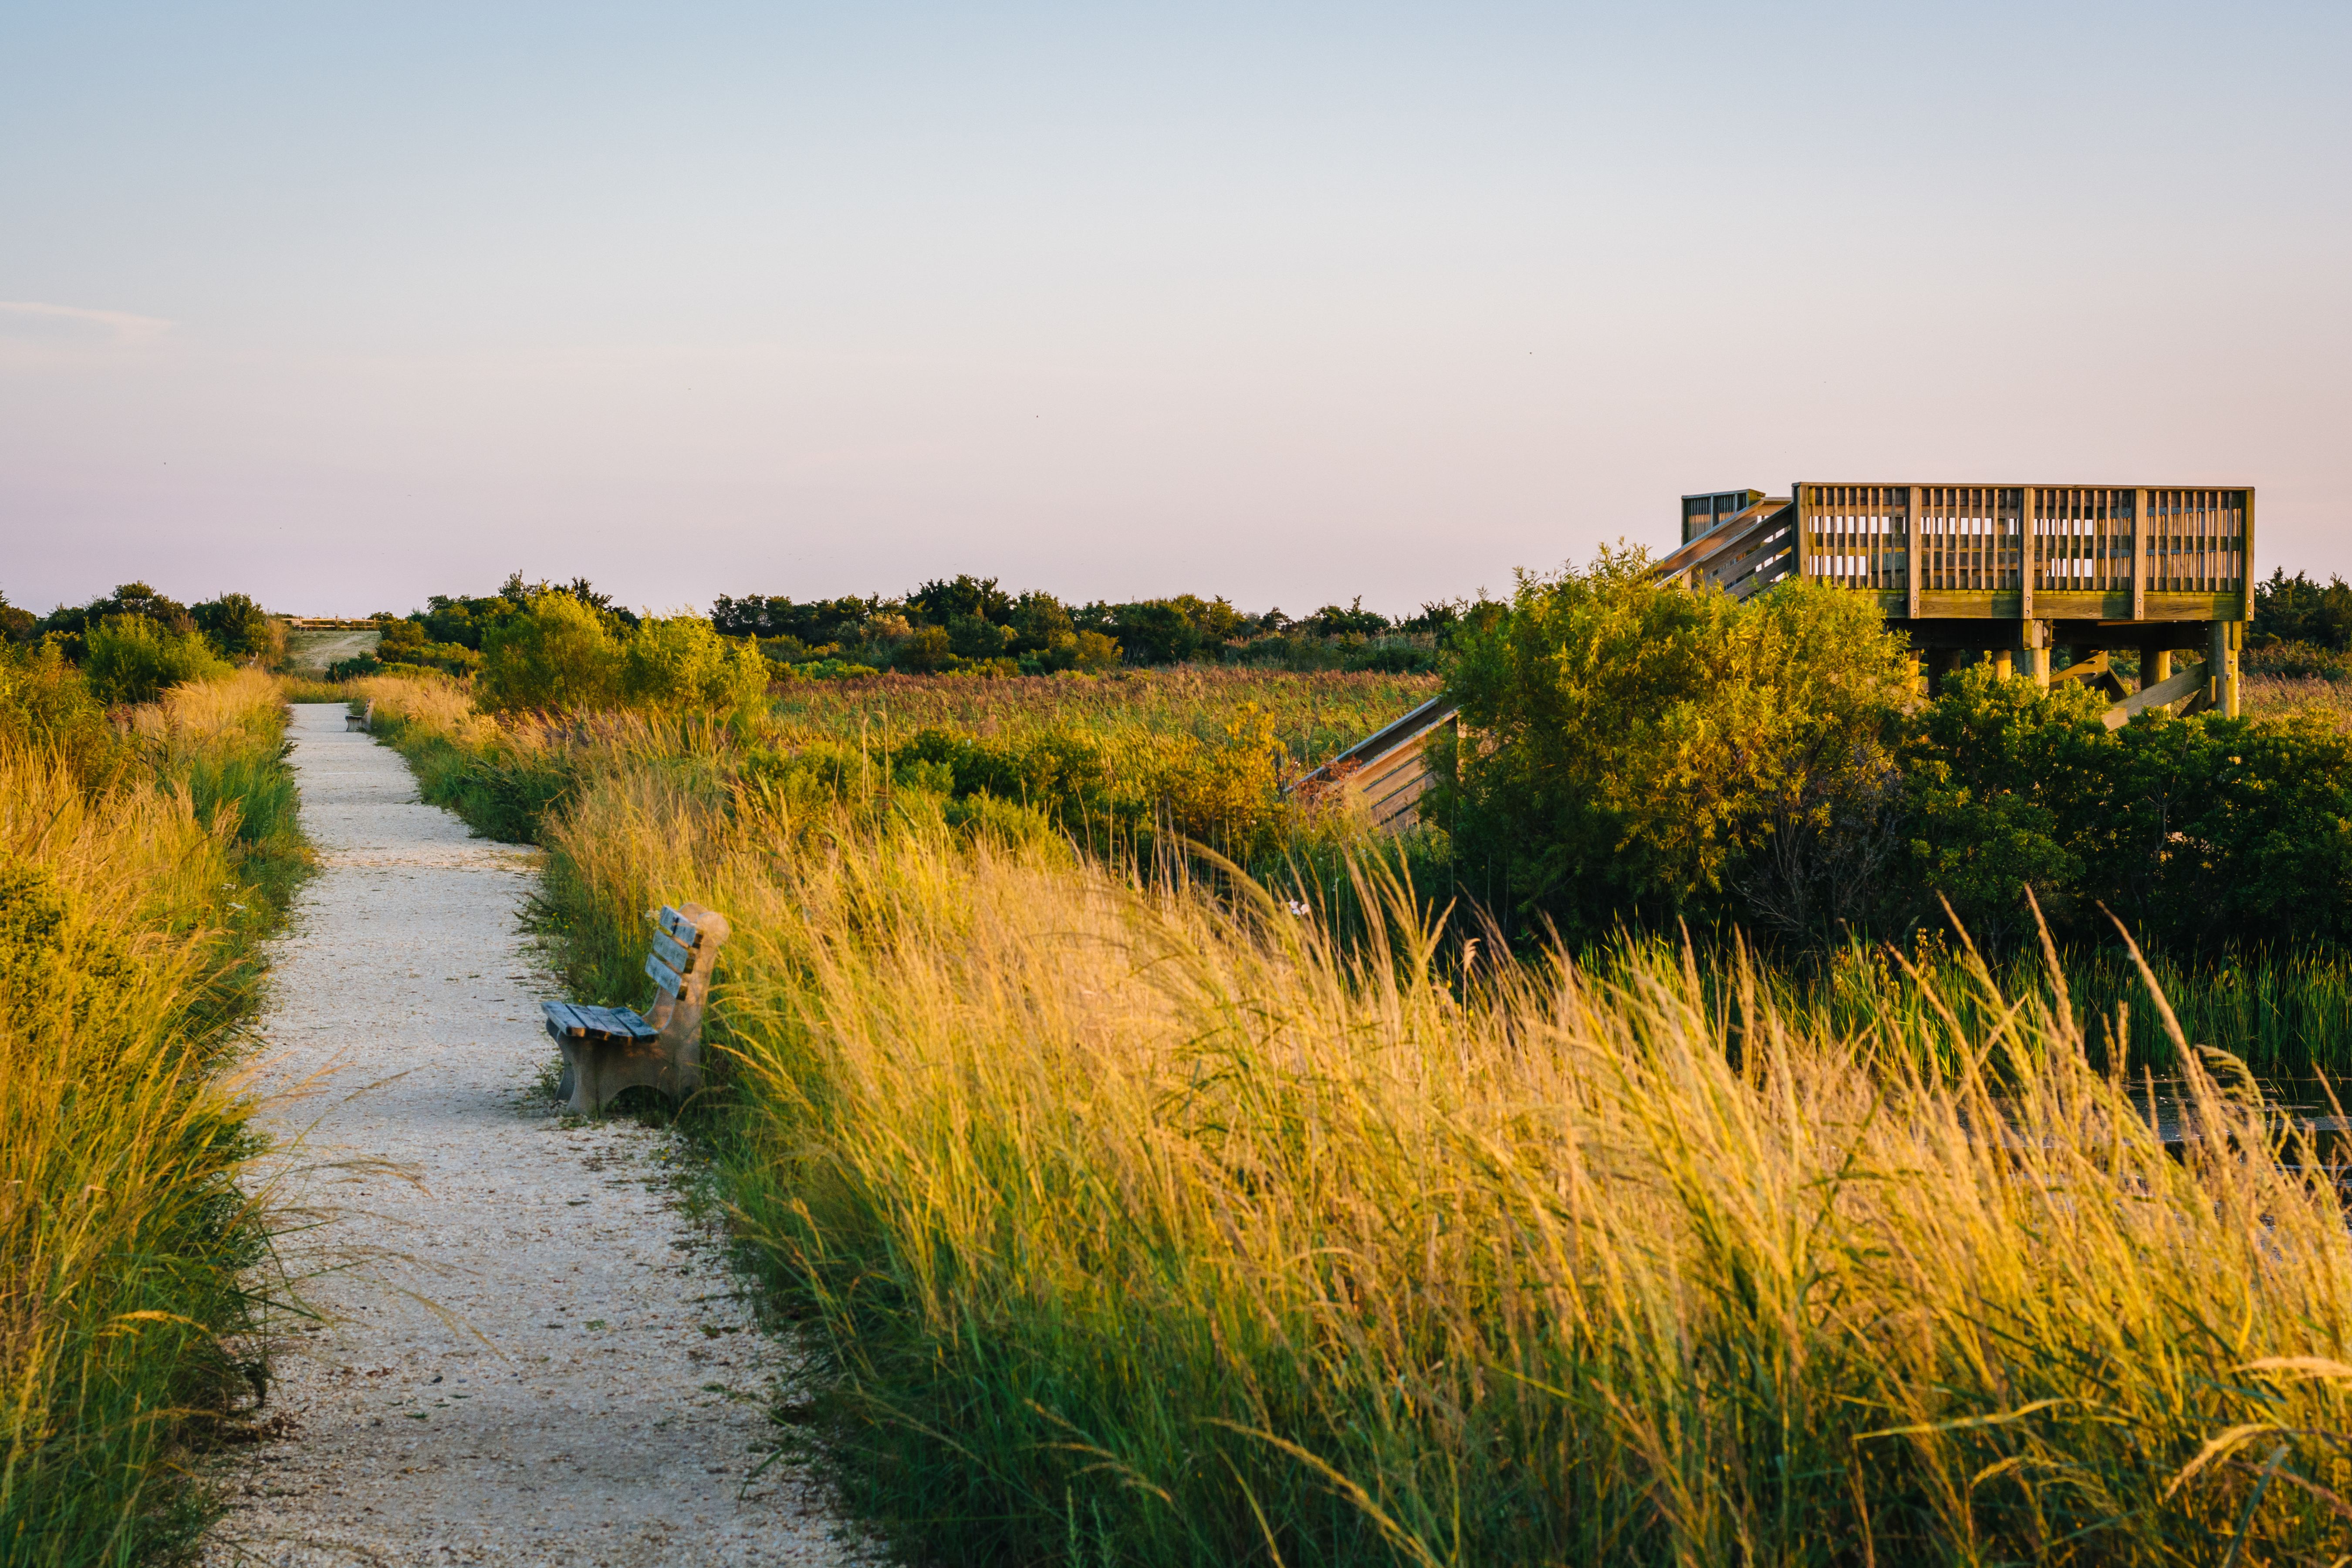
(596, 1070)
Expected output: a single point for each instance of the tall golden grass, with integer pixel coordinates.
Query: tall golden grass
(1148, 1223)
(125, 965)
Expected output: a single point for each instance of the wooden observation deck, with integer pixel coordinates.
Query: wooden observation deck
(2004, 573)
(2011, 572)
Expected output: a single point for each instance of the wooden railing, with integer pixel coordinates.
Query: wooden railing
(2029, 539)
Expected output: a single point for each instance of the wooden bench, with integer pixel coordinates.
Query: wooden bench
(363, 719)
(608, 1049)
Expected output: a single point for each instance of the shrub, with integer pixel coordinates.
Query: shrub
(558, 653)
(239, 628)
(2199, 832)
(971, 637)
(925, 651)
(46, 702)
(1093, 651)
(16, 625)
(1639, 745)
(130, 659)
(681, 662)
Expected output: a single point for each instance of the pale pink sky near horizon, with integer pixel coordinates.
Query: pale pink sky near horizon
(1295, 304)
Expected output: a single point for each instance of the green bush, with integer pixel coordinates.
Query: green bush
(239, 628)
(404, 642)
(1645, 752)
(46, 702)
(130, 659)
(557, 654)
(2200, 833)
(681, 663)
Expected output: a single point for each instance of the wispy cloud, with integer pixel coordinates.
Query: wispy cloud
(59, 325)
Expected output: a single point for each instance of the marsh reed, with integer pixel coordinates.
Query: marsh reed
(136, 879)
(1147, 1222)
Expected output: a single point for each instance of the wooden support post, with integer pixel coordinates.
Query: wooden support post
(1802, 565)
(2139, 560)
(1913, 560)
(2155, 667)
(2036, 638)
(2246, 566)
(2003, 665)
(2025, 561)
(2222, 670)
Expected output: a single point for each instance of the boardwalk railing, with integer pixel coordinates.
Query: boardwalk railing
(2105, 553)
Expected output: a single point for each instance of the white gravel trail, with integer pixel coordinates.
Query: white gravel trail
(536, 1356)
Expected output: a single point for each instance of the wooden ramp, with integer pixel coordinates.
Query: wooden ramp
(1386, 771)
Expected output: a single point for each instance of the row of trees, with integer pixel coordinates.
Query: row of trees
(132, 643)
(967, 620)
(958, 623)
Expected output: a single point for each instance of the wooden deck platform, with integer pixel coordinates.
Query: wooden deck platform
(2007, 573)
(2010, 570)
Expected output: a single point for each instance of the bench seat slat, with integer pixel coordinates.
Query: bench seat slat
(606, 1022)
(577, 1021)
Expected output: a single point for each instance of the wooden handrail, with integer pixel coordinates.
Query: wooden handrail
(2027, 539)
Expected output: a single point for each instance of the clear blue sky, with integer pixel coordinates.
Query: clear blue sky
(346, 305)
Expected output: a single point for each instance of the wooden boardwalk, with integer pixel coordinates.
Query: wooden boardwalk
(2005, 573)
(2011, 572)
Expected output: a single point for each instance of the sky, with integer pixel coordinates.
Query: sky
(342, 306)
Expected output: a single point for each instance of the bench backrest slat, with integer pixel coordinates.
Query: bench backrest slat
(668, 979)
(670, 951)
(679, 927)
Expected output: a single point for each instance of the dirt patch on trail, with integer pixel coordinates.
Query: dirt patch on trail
(309, 653)
(535, 1352)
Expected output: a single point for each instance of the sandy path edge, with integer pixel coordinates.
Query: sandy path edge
(533, 1353)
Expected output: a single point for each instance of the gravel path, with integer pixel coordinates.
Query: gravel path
(535, 1353)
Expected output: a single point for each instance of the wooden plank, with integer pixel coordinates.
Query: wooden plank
(560, 1018)
(2026, 552)
(1913, 560)
(675, 953)
(2246, 555)
(2140, 555)
(2162, 694)
(2090, 671)
(619, 1023)
(1805, 497)
(2093, 606)
(664, 976)
(678, 926)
